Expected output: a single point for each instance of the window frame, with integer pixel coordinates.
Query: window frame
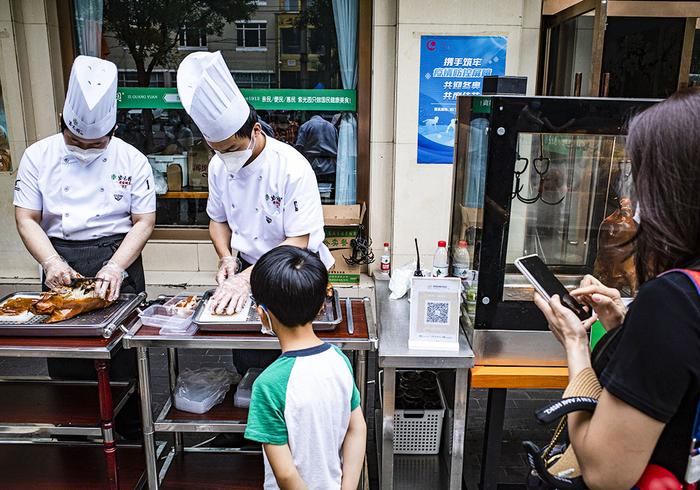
(241, 26)
(183, 38)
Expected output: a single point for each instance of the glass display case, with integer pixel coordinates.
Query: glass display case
(546, 176)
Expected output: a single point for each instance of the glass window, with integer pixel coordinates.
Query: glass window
(291, 5)
(252, 34)
(129, 78)
(191, 37)
(291, 84)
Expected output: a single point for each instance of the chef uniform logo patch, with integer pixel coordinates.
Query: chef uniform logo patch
(268, 219)
(118, 197)
(276, 200)
(123, 180)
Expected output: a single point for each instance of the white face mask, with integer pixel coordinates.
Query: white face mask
(85, 156)
(267, 329)
(234, 160)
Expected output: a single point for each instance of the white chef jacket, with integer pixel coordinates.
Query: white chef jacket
(84, 202)
(273, 197)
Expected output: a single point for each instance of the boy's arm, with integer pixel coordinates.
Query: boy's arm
(354, 450)
(282, 463)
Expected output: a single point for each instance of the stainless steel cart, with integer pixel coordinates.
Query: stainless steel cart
(356, 333)
(393, 322)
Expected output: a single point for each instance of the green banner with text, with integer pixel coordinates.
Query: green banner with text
(334, 100)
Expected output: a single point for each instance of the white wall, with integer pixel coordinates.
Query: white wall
(408, 200)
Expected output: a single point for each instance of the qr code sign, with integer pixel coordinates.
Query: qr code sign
(437, 312)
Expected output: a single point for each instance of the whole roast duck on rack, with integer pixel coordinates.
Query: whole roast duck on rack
(67, 302)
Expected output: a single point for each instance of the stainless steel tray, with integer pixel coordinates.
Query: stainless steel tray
(97, 323)
(327, 320)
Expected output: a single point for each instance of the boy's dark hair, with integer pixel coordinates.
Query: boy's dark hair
(291, 283)
(246, 130)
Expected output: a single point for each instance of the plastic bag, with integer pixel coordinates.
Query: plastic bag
(400, 281)
(161, 182)
(245, 388)
(197, 391)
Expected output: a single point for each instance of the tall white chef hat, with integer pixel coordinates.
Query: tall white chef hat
(210, 96)
(90, 110)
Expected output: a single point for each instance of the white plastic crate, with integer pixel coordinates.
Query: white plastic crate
(417, 431)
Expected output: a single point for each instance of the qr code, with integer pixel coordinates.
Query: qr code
(437, 312)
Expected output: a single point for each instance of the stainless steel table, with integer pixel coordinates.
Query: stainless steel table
(393, 328)
(225, 417)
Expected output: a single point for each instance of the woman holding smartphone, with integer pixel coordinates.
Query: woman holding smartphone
(651, 382)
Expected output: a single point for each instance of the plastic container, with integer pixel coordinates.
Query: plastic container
(191, 329)
(441, 267)
(245, 388)
(460, 261)
(184, 304)
(199, 390)
(386, 259)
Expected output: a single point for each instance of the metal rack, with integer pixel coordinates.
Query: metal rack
(180, 462)
(393, 320)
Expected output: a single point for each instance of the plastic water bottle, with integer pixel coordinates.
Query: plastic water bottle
(441, 267)
(386, 259)
(460, 261)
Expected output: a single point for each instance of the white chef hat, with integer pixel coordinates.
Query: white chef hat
(90, 110)
(210, 96)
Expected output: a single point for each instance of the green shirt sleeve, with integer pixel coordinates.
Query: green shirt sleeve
(355, 399)
(266, 423)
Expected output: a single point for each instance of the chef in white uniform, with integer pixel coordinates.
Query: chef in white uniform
(262, 192)
(84, 199)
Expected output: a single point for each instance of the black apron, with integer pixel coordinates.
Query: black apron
(244, 359)
(87, 258)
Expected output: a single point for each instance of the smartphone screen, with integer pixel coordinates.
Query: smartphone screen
(547, 283)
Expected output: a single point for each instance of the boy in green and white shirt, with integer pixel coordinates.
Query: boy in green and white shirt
(305, 407)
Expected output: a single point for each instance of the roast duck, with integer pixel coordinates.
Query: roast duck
(59, 304)
(614, 264)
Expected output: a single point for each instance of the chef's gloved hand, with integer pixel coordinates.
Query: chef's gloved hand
(231, 295)
(112, 275)
(57, 272)
(228, 267)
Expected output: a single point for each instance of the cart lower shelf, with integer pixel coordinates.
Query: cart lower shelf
(53, 407)
(223, 417)
(56, 466)
(214, 471)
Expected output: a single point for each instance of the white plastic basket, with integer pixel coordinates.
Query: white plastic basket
(417, 431)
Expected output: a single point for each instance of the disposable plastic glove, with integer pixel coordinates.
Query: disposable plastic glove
(57, 272)
(231, 295)
(228, 267)
(112, 276)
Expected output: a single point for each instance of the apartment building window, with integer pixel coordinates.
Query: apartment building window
(290, 5)
(129, 78)
(251, 35)
(254, 79)
(193, 38)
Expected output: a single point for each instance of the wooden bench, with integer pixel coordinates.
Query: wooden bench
(497, 380)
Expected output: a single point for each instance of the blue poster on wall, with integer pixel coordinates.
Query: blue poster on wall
(451, 66)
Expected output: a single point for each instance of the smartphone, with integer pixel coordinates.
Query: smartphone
(546, 283)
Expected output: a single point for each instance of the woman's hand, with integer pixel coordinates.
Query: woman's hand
(566, 326)
(606, 302)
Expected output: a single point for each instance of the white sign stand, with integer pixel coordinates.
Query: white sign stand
(435, 310)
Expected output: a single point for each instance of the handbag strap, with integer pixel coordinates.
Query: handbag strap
(694, 277)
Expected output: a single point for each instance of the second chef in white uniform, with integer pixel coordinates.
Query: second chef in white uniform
(262, 192)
